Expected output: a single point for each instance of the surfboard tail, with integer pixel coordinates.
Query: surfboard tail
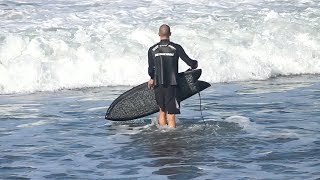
(189, 76)
(202, 85)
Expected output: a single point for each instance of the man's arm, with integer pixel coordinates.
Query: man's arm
(182, 54)
(151, 64)
(150, 68)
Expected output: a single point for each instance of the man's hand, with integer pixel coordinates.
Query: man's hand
(150, 84)
(195, 65)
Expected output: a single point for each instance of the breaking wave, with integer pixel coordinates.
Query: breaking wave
(49, 45)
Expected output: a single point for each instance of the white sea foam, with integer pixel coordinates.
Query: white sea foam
(49, 45)
(37, 123)
(242, 121)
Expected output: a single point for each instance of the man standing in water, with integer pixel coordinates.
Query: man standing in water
(163, 69)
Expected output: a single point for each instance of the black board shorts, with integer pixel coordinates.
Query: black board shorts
(166, 97)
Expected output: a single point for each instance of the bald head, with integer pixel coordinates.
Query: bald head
(164, 31)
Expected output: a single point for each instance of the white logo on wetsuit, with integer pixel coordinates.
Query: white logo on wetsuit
(177, 104)
(163, 45)
(164, 54)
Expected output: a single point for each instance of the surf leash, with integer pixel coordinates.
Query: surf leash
(200, 106)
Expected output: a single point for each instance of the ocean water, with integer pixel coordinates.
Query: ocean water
(62, 63)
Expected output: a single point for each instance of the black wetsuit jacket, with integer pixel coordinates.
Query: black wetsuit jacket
(163, 62)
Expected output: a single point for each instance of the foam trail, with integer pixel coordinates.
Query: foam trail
(49, 45)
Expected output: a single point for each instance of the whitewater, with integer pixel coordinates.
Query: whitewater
(51, 45)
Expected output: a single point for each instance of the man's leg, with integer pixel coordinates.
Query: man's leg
(162, 117)
(172, 120)
(159, 94)
(172, 106)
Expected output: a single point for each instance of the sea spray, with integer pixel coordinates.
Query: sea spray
(46, 45)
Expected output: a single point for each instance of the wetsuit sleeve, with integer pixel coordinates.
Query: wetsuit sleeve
(151, 64)
(186, 58)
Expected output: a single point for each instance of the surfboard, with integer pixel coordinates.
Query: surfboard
(140, 100)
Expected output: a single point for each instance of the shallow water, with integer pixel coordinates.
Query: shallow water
(252, 130)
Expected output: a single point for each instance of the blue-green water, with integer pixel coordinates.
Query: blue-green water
(253, 130)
